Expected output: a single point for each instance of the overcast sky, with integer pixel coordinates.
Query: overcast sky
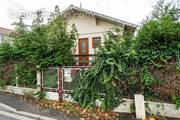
(133, 11)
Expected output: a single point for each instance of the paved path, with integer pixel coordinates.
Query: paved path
(20, 105)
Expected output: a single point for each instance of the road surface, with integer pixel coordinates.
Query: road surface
(2, 117)
(9, 113)
(20, 105)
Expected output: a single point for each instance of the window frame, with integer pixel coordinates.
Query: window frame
(93, 39)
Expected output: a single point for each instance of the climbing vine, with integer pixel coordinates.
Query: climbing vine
(122, 66)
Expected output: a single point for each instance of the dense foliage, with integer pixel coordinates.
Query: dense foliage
(39, 45)
(60, 42)
(122, 66)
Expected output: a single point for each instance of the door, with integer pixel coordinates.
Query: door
(83, 51)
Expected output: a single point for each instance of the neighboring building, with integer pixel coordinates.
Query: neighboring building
(4, 32)
(91, 27)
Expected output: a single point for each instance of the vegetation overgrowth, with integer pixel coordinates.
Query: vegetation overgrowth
(124, 65)
(40, 44)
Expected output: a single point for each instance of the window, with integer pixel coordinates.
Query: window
(83, 47)
(1, 37)
(96, 42)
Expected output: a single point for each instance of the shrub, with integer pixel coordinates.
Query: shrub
(176, 100)
(122, 66)
(42, 45)
(40, 95)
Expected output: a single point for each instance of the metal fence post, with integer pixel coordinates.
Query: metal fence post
(16, 76)
(60, 90)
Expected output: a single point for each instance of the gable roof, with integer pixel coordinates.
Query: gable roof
(101, 16)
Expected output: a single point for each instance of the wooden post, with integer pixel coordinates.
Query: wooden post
(140, 107)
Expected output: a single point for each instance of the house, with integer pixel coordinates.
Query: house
(4, 32)
(91, 27)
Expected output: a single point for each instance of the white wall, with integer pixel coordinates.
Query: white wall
(89, 28)
(89, 25)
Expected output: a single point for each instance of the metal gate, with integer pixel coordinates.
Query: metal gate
(60, 79)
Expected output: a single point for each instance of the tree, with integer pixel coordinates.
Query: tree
(39, 44)
(60, 41)
(20, 26)
(39, 38)
(162, 9)
(39, 18)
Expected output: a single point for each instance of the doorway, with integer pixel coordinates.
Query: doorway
(83, 51)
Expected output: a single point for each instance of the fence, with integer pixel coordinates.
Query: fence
(6, 73)
(50, 79)
(60, 79)
(58, 82)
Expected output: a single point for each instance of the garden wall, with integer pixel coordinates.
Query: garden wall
(158, 108)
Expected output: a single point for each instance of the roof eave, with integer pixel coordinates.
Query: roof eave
(98, 15)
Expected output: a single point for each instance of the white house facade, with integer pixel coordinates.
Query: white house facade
(91, 27)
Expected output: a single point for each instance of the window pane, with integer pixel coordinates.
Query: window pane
(83, 47)
(96, 42)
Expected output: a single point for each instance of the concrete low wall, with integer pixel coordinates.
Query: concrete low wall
(164, 109)
(125, 106)
(157, 108)
(17, 90)
(23, 91)
(52, 96)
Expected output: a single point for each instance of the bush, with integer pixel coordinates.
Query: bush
(176, 100)
(40, 95)
(42, 45)
(123, 66)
